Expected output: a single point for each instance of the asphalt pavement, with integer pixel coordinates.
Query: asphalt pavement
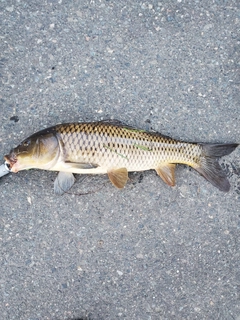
(148, 251)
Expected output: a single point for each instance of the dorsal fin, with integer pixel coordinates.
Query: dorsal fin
(115, 122)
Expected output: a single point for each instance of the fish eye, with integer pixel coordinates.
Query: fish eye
(26, 143)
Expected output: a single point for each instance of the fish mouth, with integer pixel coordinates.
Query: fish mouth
(11, 159)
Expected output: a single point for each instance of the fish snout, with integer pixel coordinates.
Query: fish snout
(11, 160)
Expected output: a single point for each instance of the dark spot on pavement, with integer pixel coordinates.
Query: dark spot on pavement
(14, 118)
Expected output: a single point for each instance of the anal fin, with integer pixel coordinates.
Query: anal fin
(63, 182)
(167, 172)
(118, 177)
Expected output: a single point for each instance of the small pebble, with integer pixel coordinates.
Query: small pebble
(10, 9)
(120, 273)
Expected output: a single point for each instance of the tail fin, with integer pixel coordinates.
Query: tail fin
(209, 166)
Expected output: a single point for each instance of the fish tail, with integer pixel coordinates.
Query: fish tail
(209, 167)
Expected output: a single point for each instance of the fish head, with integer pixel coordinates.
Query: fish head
(39, 151)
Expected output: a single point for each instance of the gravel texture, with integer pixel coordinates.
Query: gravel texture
(148, 251)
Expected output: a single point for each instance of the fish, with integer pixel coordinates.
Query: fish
(114, 148)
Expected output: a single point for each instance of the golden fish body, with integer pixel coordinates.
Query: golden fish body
(108, 146)
(116, 149)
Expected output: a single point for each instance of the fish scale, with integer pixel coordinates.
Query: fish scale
(122, 146)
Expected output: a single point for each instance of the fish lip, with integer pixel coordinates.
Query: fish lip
(10, 159)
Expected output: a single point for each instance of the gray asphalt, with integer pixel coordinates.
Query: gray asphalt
(148, 251)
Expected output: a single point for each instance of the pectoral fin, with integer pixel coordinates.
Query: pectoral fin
(118, 177)
(80, 165)
(63, 182)
(167, 172)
